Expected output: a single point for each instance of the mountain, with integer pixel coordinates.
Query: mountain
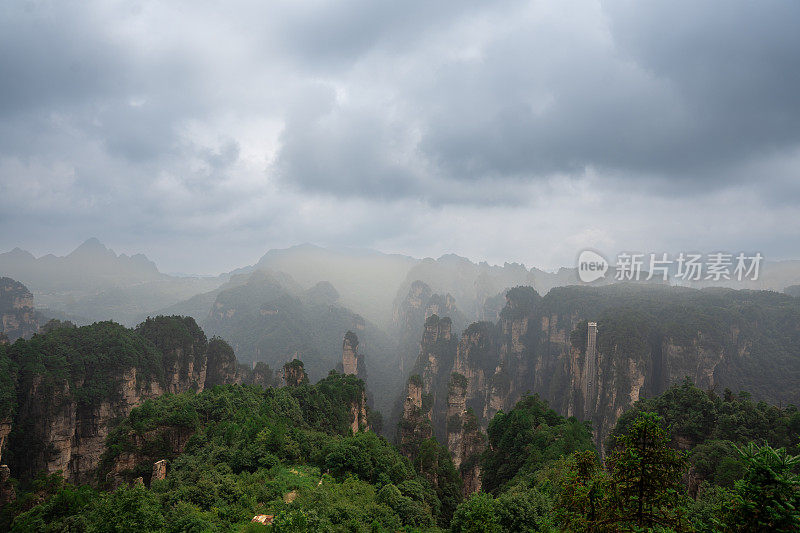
(232, 458)
(647, 338)
(66, 388)
(478, 287)
(95, 283)
(267, 317)
(18, 318)
(469, 284)
(152, 429)
(366, 279)
(89, 265)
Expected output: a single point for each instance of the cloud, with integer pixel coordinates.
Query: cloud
(166, 122)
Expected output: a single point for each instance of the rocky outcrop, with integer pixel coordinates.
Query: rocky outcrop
(350, 359)
(184, 348)
(294, 374)
(66, 407)
(358, 414)
(159, 470)
(17, 315)
(62, 433)
(437, 352)
(222, 368)
(260, 374)
(465, 440)
(141, 456)
(7, 492)
(5, 429)
(411, 313)
(415, 424)
(546, 346)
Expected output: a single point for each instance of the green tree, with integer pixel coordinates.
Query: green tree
(526, 439)
(128, 509)
(479, 514)
(768, 497)
(582, 493)
(647, 476)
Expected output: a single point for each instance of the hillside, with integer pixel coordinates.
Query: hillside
(94, 283)
(243, 458)
(63, 390)
(648, 338)
(18, 318)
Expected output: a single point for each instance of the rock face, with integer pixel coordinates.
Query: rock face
(410, 315)
(63, 417)
(350, 358)
(184, 348)
(358, 413)
(5, 429)
(260, 375)
(436, 352)
(415, 424)
(134, 462)
(7, 492)
(222, 368)
(294, 374)
(591, 352)
(17, 315)
(465, 441)
(159, 470)
(51, 416)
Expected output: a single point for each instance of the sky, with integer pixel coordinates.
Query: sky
(205, 133)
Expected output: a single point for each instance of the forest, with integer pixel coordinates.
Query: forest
(687, 460)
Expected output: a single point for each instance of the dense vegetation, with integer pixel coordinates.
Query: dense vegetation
(269, 318)
(686, 460)
(711, 428)
(290, 453)
(8, 376)
(90, 358)
(640, 320)
(286, 452)
(526, 439)
(175, 335)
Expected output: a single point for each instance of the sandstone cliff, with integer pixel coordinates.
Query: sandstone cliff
(409, 317)
(350, 359)
(17, 315)
(358, 414)
(415, 423)
(222, 368)
(75, 384)
(143, 455)
(183, 346)
(646, 339)
(294, 374)
(5, 430)
(465, 441)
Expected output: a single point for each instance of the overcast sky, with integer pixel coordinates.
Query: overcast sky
(204, 133)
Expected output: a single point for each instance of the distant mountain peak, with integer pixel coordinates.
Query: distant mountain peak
(91, 245)
(20, 253)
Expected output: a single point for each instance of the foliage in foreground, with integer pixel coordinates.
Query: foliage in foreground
(289, 453)
(285, 452)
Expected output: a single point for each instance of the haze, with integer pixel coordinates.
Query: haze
(204, 135)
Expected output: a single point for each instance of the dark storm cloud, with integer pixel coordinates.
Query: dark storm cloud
(261, 119)
(331, 35)
(732, 64)
(664, 92)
